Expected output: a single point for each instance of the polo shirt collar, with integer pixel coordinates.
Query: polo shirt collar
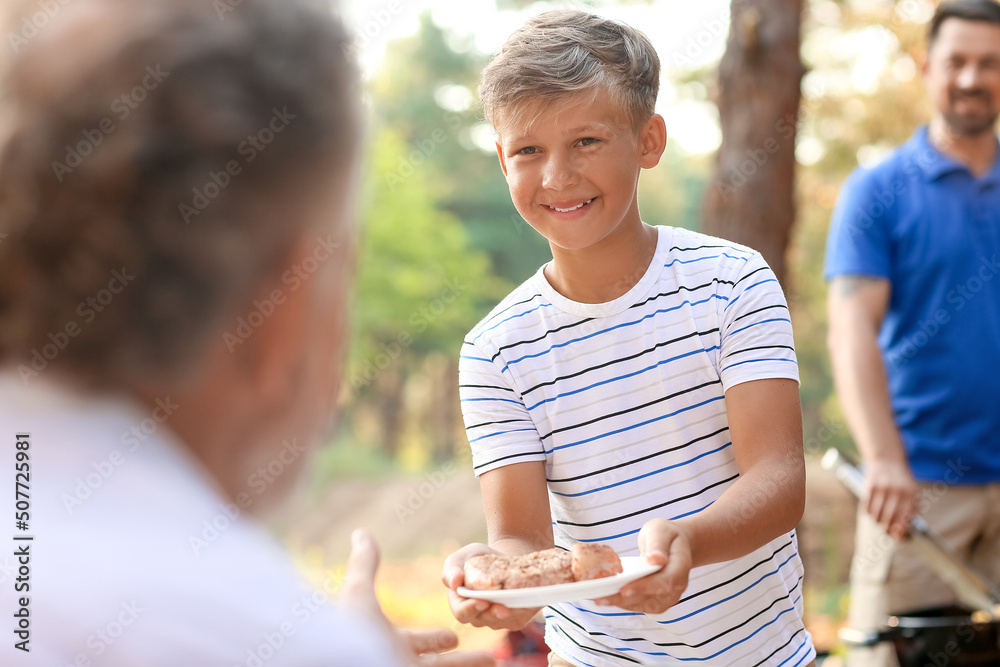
(936, 164)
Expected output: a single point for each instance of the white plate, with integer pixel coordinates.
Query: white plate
(634, 567)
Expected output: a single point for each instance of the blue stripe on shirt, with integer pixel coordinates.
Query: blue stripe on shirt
(617, 326)
(507, 319)
(773, 319)
(734, 595)
(623, 377)
(648, 474)
(629, 428)
(753, 361)
(747, 289)
(633, 532)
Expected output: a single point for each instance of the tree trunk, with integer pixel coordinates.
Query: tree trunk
(391, 386)
(751, 199)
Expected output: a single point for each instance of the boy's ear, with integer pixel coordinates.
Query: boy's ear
(652, 141)
(503, 160)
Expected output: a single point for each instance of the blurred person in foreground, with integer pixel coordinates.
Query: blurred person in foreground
(176, 194)
(914, 303)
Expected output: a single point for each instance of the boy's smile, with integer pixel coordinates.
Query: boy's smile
(573, 171)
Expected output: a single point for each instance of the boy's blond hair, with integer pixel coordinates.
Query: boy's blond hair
(564, 52)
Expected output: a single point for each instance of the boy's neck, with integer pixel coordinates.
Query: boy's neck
(606, 271)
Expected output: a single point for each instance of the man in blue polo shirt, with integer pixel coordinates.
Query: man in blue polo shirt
(913, 261)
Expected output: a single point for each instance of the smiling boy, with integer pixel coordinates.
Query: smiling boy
(640, 390)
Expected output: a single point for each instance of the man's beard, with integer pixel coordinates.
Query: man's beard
(971, 124)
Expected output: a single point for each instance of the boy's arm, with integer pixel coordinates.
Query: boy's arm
(765, 422)
(516, 502)
(518, 522)
(766, 501)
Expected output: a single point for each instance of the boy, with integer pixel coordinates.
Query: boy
(640, 390)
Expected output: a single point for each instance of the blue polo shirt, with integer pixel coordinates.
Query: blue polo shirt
(924, 222)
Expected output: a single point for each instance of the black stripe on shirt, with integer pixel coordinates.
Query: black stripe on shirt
(484, 386)
(499, 421)
(763, 268)
(632, 409)
(648, 509)
(754, 312)
(643, 458)
(785, 645)
(503, 458)
(542, 337)
(700, 247)
(787, 596)
(501, 312)
(760, 347)
(617, 655)
(619, 360)
(741, 574)
(677, 291)
(545, 335)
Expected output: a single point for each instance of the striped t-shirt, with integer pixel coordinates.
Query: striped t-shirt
(624, 402)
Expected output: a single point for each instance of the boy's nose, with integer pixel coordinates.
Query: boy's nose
(558, 174)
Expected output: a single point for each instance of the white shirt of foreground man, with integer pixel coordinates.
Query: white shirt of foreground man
(139, 560)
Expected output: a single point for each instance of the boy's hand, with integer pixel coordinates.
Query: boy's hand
(479, 613)
(660, 542)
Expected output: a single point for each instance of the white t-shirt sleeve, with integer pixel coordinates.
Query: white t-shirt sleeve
(755, 328)
(498, 425)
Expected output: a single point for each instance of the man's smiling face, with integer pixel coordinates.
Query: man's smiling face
(962, 74)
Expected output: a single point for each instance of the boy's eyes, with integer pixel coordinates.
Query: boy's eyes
(532, 150)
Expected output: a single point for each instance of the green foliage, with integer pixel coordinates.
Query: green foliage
(419, 94)
(420, 284)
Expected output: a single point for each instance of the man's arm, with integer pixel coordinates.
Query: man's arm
(857, 306)
(518, 521)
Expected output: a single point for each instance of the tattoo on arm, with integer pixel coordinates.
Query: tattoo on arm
(849, 285)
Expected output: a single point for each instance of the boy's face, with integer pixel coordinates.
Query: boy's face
(573, 172)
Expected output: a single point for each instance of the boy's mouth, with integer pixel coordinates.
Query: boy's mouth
(566, 207)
